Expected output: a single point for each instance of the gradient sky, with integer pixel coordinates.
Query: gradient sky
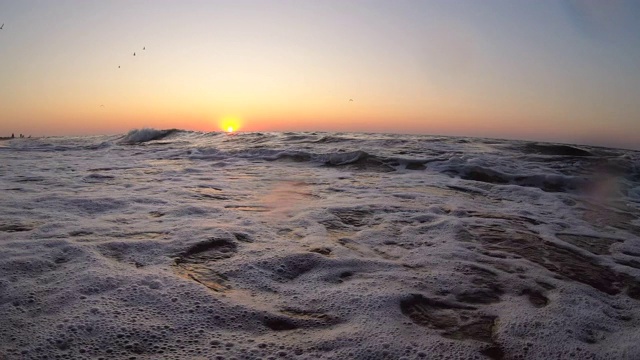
(565, 71)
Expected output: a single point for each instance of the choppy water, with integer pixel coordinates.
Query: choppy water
(176, 244)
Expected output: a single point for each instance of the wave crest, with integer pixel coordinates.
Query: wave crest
(138, 136)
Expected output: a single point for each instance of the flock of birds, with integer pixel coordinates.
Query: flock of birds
(134, 53)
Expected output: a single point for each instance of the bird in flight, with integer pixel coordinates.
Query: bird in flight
(143, 48)
(118, 66)
(2, 26)
(134, 54)
(350, 99)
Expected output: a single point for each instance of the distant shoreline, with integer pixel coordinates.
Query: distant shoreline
(12, 138)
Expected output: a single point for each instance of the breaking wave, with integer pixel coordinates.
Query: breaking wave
(138, 136)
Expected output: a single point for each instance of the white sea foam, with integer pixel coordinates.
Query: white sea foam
(317, 245)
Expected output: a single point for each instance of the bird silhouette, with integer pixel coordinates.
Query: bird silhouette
(350, 99)
(143, 48)
(118, 66)
(2, 26)
(134, 54)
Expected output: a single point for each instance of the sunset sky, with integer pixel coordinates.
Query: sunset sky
(565, 71)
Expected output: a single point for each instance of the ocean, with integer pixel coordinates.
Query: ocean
(171, 244)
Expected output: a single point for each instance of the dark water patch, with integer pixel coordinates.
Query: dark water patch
(633, 291)
(552, 183)
(558, 150)
(480, 296)
(212, 197)
(77, 233)
(601, 216)
(560, 260)
(202, 192)
(31, 265)
(322, 251)
(593, 244)
(311, 317)
(631, 253)
(243, 237)
(127, 251)
(55, 256)
(536, 298)
(108, 169)
(589, 336)
(463, 235)
(415, 165)
(485, 176)
(384, 254)
(204, 274)
(97, 178)
(494, 352)
(16, 227)
(493, 254)
(297, 138)
(485, 287)
(506, 267)
(467, 190)
(210, 249)
(408, 245)
(480, 329)
(358, 160)
(511, 218)
(29, 179)
(548, 183)
(331, 139)
(296, 156)
(138, 235)
(280, 323)
(94, 206)
(357, 247)
(353, 217)
(249, 208)
(545, 285)
(455, 321)
(432, 313)
(631, 263)
(295, 318)
(292, 266)
(197, 263)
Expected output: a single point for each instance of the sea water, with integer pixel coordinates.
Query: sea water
(169, 244)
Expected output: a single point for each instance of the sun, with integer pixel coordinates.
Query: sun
(230, 124)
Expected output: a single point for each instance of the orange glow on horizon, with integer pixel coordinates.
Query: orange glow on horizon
(230, 124)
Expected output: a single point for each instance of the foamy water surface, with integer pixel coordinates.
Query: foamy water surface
(175, 244)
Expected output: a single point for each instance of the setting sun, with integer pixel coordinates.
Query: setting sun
(230, 124)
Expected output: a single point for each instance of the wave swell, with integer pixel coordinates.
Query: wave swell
(545, 182)
(139, 136)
